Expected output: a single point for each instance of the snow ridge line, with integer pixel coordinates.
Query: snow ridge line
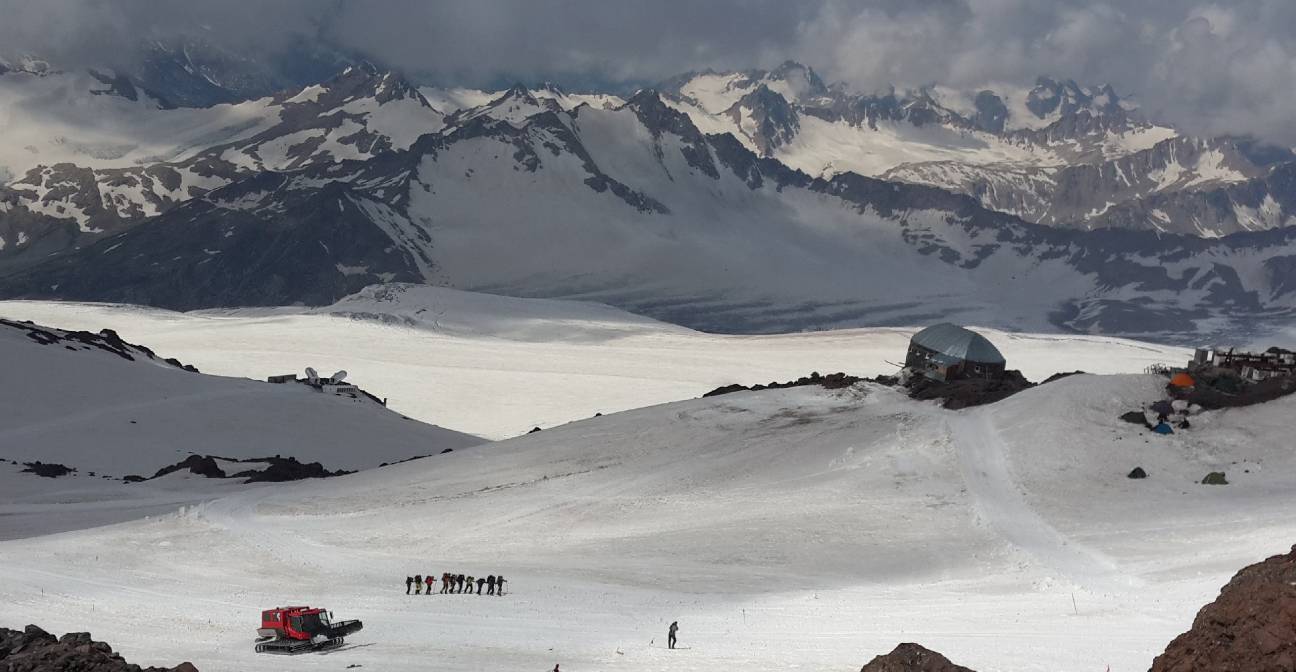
(999, 503)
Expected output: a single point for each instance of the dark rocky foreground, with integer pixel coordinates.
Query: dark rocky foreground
(1250, 627)
(912, 658)
(34, 650)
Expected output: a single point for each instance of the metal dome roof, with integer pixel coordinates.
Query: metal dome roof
(955, 341)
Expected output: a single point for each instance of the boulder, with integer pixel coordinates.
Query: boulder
(1136, 418)
(1137, 473)
(202, 465)
(1215, 478)
(1249, 628)
(911, 657)
(47, 469)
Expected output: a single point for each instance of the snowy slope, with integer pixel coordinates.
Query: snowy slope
(785, 529)
(118, 417)
(497, 367)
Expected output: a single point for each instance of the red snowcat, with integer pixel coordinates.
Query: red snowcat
(301, 630)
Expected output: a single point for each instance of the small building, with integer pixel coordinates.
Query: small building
(344, 389)
(285, 378)
(949, 352)
(1253, 366)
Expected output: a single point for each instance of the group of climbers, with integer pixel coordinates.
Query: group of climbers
(455, 584)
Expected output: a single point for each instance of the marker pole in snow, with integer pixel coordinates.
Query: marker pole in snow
(1073, 605)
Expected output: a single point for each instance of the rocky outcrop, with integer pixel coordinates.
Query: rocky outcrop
(47, 469)
(106, 340)
(283, 469)
(34, 650)
(910, 657)
(275, 469)
(832, 381)
(1248, 628)
(956, 394)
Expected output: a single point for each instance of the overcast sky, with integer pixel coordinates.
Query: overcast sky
(1209, 66)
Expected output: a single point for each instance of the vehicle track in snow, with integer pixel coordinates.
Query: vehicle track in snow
(1000, 503)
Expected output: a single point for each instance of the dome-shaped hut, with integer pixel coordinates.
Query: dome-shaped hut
(950, 352)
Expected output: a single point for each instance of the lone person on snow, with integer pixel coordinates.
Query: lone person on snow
(409, 583)
(670, 636)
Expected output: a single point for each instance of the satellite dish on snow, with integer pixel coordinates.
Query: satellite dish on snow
(340, 376)
(311, 375)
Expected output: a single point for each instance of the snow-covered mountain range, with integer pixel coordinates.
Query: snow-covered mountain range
(738, 201)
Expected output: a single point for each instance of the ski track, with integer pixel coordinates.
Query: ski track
(1000, 503)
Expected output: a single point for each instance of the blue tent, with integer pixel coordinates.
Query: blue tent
(1163, 428)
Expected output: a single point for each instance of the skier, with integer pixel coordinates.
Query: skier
(459, 580)
(481, 583)
(499, 586)
(670, 636)
(445, 582)
(490, 585)
(409, 583)
(430, 581)
(469, 581)
(418, 584)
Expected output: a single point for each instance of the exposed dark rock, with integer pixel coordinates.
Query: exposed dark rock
(1230, 392)
(534, 430)
(1215, 478)
(283, 469)
(1137, 473)
(203, 465)
(34, 650)
(1136, 418)
(47, 470)
(133, 478)
(1248, 628)
(909, 657)
(1060, 376)
(971, 392)
(832, 381)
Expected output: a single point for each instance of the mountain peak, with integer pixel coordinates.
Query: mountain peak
(657, 116)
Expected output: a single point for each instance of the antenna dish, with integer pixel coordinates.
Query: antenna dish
(311, 374)
(340, 376)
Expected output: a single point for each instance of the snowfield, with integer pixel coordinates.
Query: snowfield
(109, 417)
(786, 529)
(497, 367)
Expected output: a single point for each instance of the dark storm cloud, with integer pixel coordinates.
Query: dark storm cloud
(1210, 66)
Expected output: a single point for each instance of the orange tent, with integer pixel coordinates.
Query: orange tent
(1182, 379)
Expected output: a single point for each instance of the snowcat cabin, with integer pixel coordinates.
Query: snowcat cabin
(310, 622)
(950, 352)
(282, 621)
